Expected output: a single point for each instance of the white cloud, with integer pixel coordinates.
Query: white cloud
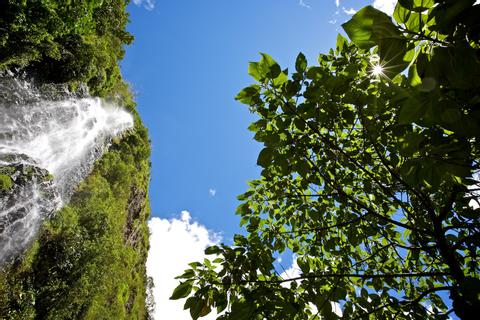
(303, 4)
(349, 11)
(173, 244)
(292, 272)
(337, 3)
(147, 4)
(386, 6)
(212, 192)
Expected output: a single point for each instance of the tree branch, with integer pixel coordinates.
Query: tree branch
(351, 275)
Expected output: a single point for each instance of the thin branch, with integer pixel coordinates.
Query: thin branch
(350, 275)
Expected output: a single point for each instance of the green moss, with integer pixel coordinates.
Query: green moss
(6, 182)
(48, 177)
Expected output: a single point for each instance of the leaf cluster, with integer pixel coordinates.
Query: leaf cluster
(367, 178)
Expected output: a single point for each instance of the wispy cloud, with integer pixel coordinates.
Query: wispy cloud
(147, 4)
(387, 6)
(212, 192)
(303, 4)
(173, 244)
(337, 3)
(349, 11)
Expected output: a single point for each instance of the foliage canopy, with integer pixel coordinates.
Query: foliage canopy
(370, 166)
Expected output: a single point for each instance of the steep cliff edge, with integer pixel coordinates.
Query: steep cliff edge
(88, 260)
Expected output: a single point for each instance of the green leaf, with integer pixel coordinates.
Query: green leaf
(199, 309)
(413, 109)
(182, 290)
(368, 26)
(187, 274)
(271, 65)
(255, 70)
(280, 79)
(303, 264)
(422, 5)
(341, 42)
(189, 303)
(267, 68)
(247, 94)
(415, 21)
(241, 310)
(301, 63)
(212, 250)
(292, 88)
(246, 195)
(360, 28)
(413, 76)
(401, 14)
(265, 157)
(315, 73)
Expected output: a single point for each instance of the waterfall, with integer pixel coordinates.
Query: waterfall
(49, 141)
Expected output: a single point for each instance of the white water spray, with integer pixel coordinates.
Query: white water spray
(43, 134)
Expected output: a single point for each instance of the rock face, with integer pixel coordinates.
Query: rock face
(32, 198)
(136, 203)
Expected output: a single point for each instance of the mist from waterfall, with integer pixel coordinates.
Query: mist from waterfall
(49, 141)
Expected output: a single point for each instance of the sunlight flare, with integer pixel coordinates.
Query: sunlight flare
(377, 70)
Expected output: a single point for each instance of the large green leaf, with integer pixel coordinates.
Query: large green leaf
(371, 27)
(247, 94)
(199, 308)
(267, 68)
(401, 14)
(182, 290)
(368, 26)
(360, 27)
(265, 157)
(301, 63)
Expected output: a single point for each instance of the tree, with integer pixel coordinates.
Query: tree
(369, 166)
(150, 300)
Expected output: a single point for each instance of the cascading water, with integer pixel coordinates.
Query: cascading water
(49, 141)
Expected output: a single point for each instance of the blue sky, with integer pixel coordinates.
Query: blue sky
(187, 63)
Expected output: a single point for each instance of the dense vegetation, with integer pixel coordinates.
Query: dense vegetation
(370, 166)
(89, 259)
(65, 41)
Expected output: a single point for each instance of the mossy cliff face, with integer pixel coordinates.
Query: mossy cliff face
(88, 261)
